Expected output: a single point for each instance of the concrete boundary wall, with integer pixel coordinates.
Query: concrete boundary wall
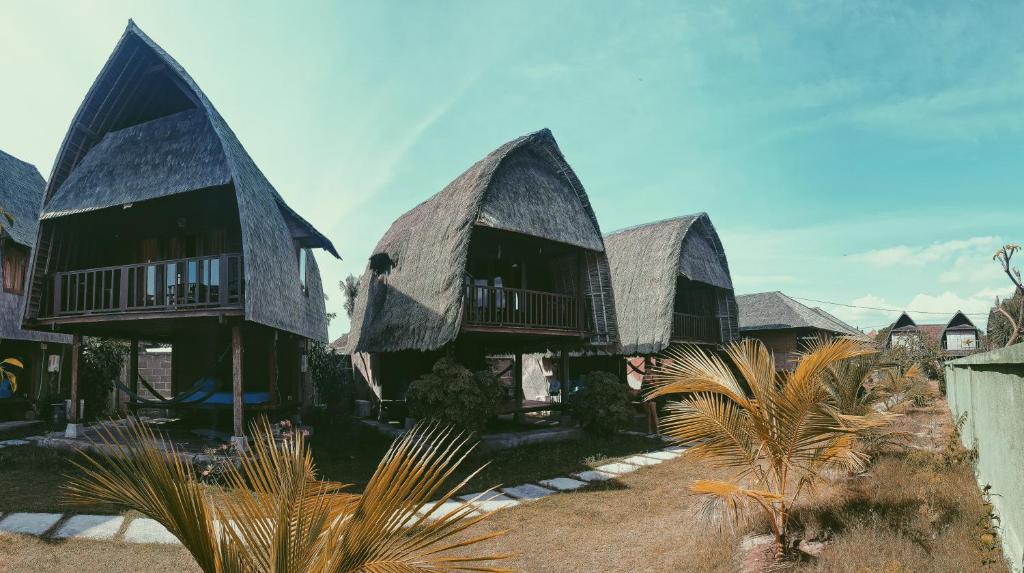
(989, 388)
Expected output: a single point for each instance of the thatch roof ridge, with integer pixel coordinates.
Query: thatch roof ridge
(21, 195)
(646, 260)
(774, 310)
(272, 295)
(429, 245)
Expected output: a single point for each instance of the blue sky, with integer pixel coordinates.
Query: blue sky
(866, 153)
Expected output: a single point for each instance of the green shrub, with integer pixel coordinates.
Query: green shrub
(452, 395)
(99, 365)
(602, 404)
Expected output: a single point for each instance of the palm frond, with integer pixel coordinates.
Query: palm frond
(275, 515)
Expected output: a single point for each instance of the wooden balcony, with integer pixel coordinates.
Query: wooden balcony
(695, 328)
(489, 308)
(196, 283)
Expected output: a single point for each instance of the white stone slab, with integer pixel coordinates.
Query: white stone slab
(90, 527)
(14, 443)
(29, 523)
(662, 455)
(148, 531)
(642, 461)
(675, 449)
(562, 483)
(527, 492)
(483, 496)
(35, 438)
(617, 468)
(490, 501)
(594, 475)
(444, 509)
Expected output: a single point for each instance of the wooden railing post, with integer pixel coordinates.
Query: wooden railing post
(57, 280)
(224, 288)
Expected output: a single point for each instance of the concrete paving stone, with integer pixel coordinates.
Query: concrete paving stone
(562, 483)
(445, 508)
(675, 449)
(35, 438)
(29, 523)
(15, 442)
(594, 475)
(642, 461)
(662, 455)
(90, 527)
(617, 468)
(490, 501)
(148, 531)
(526, 492)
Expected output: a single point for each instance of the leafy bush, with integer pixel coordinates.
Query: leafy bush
(453, 395)
(922, 350)
(333, 380)
(99, 365)
(602, 404)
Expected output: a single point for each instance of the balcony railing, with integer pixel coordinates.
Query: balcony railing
(181, 284)
(694, 328)
(502, 307)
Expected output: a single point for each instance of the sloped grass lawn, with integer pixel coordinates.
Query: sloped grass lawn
(353, 462)
(31, 477)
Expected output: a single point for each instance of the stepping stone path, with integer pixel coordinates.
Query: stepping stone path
(148, 531)
(144, 530)
(90, 527)
(29, 523)
(562, 484)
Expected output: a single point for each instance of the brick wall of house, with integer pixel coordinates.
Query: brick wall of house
(155, 367)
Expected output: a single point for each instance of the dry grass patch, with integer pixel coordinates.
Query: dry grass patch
(28, 554)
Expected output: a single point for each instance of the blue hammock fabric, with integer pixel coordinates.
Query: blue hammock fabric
(5, 389)
(227, 399)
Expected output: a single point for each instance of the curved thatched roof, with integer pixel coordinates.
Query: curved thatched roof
(776, 311)
(21, 195)
(524, 186)
(114, 153)
(647, 259)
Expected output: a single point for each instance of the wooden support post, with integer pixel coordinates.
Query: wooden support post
(133, 365)
(272, 369)
(74, 428)
(307, 377)
(237, 387)
(517, 385)
(563, 379)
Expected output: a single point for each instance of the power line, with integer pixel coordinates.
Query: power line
(888, 309)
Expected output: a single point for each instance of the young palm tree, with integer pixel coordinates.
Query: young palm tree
(865, 386)
(275, 515)
(778, 432)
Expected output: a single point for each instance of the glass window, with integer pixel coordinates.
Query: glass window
(302, 269)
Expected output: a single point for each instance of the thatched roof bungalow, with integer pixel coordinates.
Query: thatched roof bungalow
(21, 196)
(507, 258)
(785, 325)
(672, 284)
(158, 225)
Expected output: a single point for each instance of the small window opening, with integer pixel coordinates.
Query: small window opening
(303, 253)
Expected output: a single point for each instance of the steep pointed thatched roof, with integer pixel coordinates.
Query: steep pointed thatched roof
(776, 311)
(21, 195)
(647, 259)
(146, 130)
(414, 300)
(960, 321)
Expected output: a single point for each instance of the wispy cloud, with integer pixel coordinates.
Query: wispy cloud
(908, 255)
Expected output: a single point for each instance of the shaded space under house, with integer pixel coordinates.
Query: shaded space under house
(507, 259)
(158, 226)
(786, 326)
(957, 337)
(42, 354)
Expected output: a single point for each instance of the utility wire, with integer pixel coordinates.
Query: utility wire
(888, 309)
